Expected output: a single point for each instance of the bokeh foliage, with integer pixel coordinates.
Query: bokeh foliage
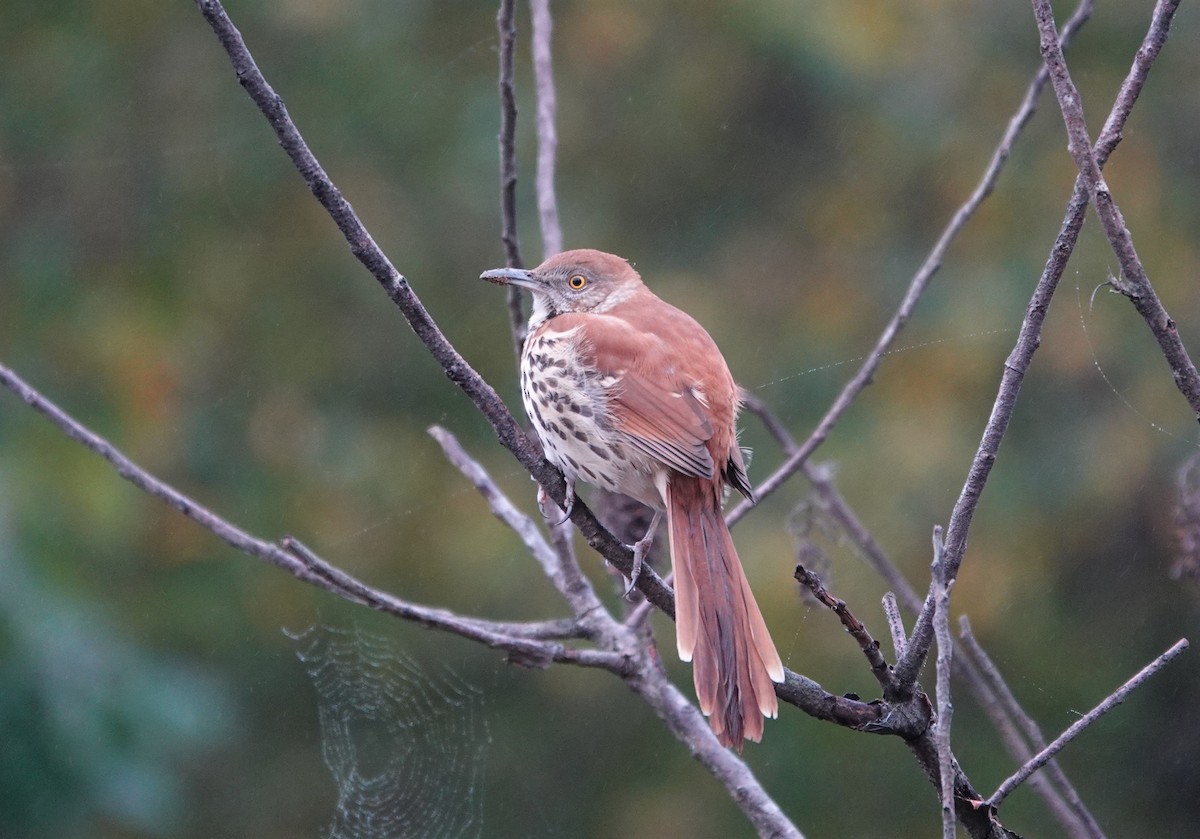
(779, 170)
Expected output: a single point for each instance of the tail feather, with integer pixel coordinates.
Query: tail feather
(718, 623)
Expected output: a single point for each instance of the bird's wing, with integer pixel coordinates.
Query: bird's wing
(660, 414)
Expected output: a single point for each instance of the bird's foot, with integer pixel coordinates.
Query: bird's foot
(639, 549)
(549, 509)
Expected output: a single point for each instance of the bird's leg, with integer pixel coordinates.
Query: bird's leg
(639, 548)
(546, 504)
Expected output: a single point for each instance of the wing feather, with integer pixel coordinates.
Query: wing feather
(652, 404)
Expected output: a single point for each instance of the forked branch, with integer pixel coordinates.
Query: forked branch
(1134, 282)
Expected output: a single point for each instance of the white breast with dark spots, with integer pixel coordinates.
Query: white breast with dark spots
(566, 402)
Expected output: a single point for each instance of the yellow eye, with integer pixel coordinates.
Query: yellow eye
(577, 282)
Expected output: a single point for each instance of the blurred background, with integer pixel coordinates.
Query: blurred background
(777, 169)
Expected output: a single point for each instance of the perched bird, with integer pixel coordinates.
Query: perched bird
(630, 394)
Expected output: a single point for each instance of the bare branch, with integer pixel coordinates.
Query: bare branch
(1134, 283)
(521, 640)
(507, 29)
(869, 646)
(562, 572)
(456, 367)
(1111, 701)
(945, 710)
(916, 287)
(1029, 337)
(233, 536)
(1002, 706)
(543, 79)
(891, 611)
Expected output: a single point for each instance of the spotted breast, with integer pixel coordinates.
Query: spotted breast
(568, 401)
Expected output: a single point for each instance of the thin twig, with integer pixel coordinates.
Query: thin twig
(1001, 704)
(557, 564)
(908, 668)
(859, 632)
(1111, 701)
(891, 611)
(917, 285)
(1134, 284)
(547, 149)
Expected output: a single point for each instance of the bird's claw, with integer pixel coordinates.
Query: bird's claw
(640, 548)
(548, 508)
(639, 554)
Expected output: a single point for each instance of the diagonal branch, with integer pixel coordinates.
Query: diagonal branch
(363, 247)
(565, 575)
(857, 630)
(527, 641)
(1029, 338)
(1111, 701)
(1006, 713)
(916, 286)
(1134, 283)
(685, 722)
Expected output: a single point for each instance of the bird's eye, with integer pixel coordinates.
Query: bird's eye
(577, 282)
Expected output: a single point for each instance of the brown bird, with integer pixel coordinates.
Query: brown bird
(630, 394)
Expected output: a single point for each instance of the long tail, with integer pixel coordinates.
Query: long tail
(718, 625)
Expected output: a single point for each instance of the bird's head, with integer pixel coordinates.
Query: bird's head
(572, 281)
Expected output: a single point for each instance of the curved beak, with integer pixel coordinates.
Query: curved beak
(510, 276)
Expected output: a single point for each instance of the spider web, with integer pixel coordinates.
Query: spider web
(406, 748)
